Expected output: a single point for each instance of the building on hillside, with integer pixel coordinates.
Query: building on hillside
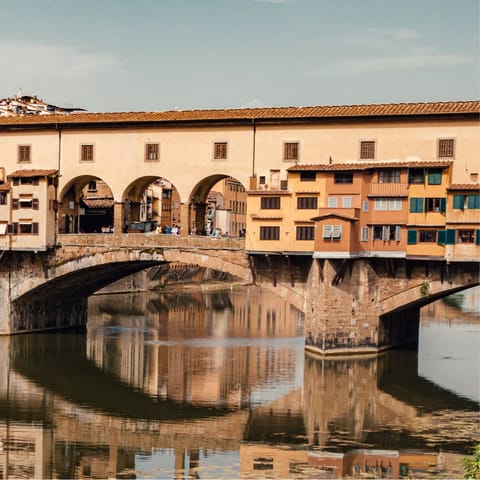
(31, 105)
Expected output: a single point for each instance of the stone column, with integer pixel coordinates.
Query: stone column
(4, 301)
(118, 218)
(184, 219)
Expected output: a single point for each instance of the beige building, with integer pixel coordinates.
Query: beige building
(194, 150)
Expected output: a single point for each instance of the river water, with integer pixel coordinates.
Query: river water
(216, 384)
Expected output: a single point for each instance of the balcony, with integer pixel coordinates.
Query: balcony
(388, 190)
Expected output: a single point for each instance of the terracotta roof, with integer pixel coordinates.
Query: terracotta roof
(33, 173)
(98, 202)
(464, 186)
(321, 167)
(267, 113)
(4, 186)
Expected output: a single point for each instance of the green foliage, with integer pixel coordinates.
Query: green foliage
(425, 288)
(471, 465)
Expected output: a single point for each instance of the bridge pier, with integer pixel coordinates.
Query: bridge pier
(346, 313)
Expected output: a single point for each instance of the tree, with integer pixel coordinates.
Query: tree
(471, 465)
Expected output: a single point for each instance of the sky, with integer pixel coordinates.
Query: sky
(151, 55)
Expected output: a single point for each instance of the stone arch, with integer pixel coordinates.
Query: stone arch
(205, 204)
(86, 204)
(151, 198)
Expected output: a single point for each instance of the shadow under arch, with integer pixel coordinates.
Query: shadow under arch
(85, 204)
(218, 202)
(52, 360)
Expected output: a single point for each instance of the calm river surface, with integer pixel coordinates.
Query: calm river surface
(216, 384)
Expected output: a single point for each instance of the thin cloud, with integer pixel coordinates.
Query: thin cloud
(56, 61)
(413, 61)
(380, 37)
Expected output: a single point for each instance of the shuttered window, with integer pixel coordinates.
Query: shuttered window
(24, 154)
(446, 148)
(269, 233)
(290, 151)
(305, 233)
(220, 151)
(86, 153)
(416, 205)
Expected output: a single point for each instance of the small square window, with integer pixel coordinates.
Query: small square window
(24, 153)
(220, 151)
(86, 153)
(308, 176)
(367, 150)
(446, 148)
(152, 152)
(290, 153)
(343, 178)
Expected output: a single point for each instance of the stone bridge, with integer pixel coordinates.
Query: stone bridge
(350, 305)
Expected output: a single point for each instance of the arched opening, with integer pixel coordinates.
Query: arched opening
(86, 205)
(151, 204)
(218, 207)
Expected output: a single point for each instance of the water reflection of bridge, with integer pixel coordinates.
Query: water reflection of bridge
(349, 399)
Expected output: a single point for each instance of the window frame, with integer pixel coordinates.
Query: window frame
(87, 152)
(307, 203)
(24, 153)
(465, 235)
(367, 150)
(270, 203)
(308, 176)
(424, 236)
(220, 150)
(446, 147)
(269, 232)
(291, 151)
(305, 232)
(389, 175)
(343, 178)
(152, 152)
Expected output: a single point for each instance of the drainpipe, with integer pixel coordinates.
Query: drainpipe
(253, 146)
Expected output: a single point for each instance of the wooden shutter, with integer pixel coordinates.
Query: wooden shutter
(412, 237)
(35, 228)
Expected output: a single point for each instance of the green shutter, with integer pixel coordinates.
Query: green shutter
(473, 201)
(441, 237)
(477, 237)
(450, 236)
(412, 237)
(416, 205)
(443, 205)
(458, 201)
(434, 177)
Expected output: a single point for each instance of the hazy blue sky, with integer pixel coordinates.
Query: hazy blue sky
(119, 55)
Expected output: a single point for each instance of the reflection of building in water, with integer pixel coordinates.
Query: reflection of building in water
(25, 451)
(345, 393)
(151, 345)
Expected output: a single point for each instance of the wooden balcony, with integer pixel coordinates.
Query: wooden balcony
(388, 190)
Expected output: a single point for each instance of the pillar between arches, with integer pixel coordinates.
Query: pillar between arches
(118, 217)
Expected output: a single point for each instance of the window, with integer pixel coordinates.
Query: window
(24, 154)
(412, 237)
(269, 233)
(86, 153)
(389, 176)
(220, 151)
(290, 151)
(308, 176)
(367, 150)
(151, 151)
(416, 205)
(473, 201)
(382, 204)
(365, 205)
(262, 463)
(459, 202)
(427, 236)
(261, 180)
(332, 231)
(416, 175)
(28, 202)
(434, 176)
(343, 177)
(3, 198)
(92, 186)
(465, 236)
(446, 148)
(332, 202)
(347, 202)
(27, 228)
(387, 233)
(270, 203)
(435, 204)
(307, 203)
(305, 233)
(364, 234)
